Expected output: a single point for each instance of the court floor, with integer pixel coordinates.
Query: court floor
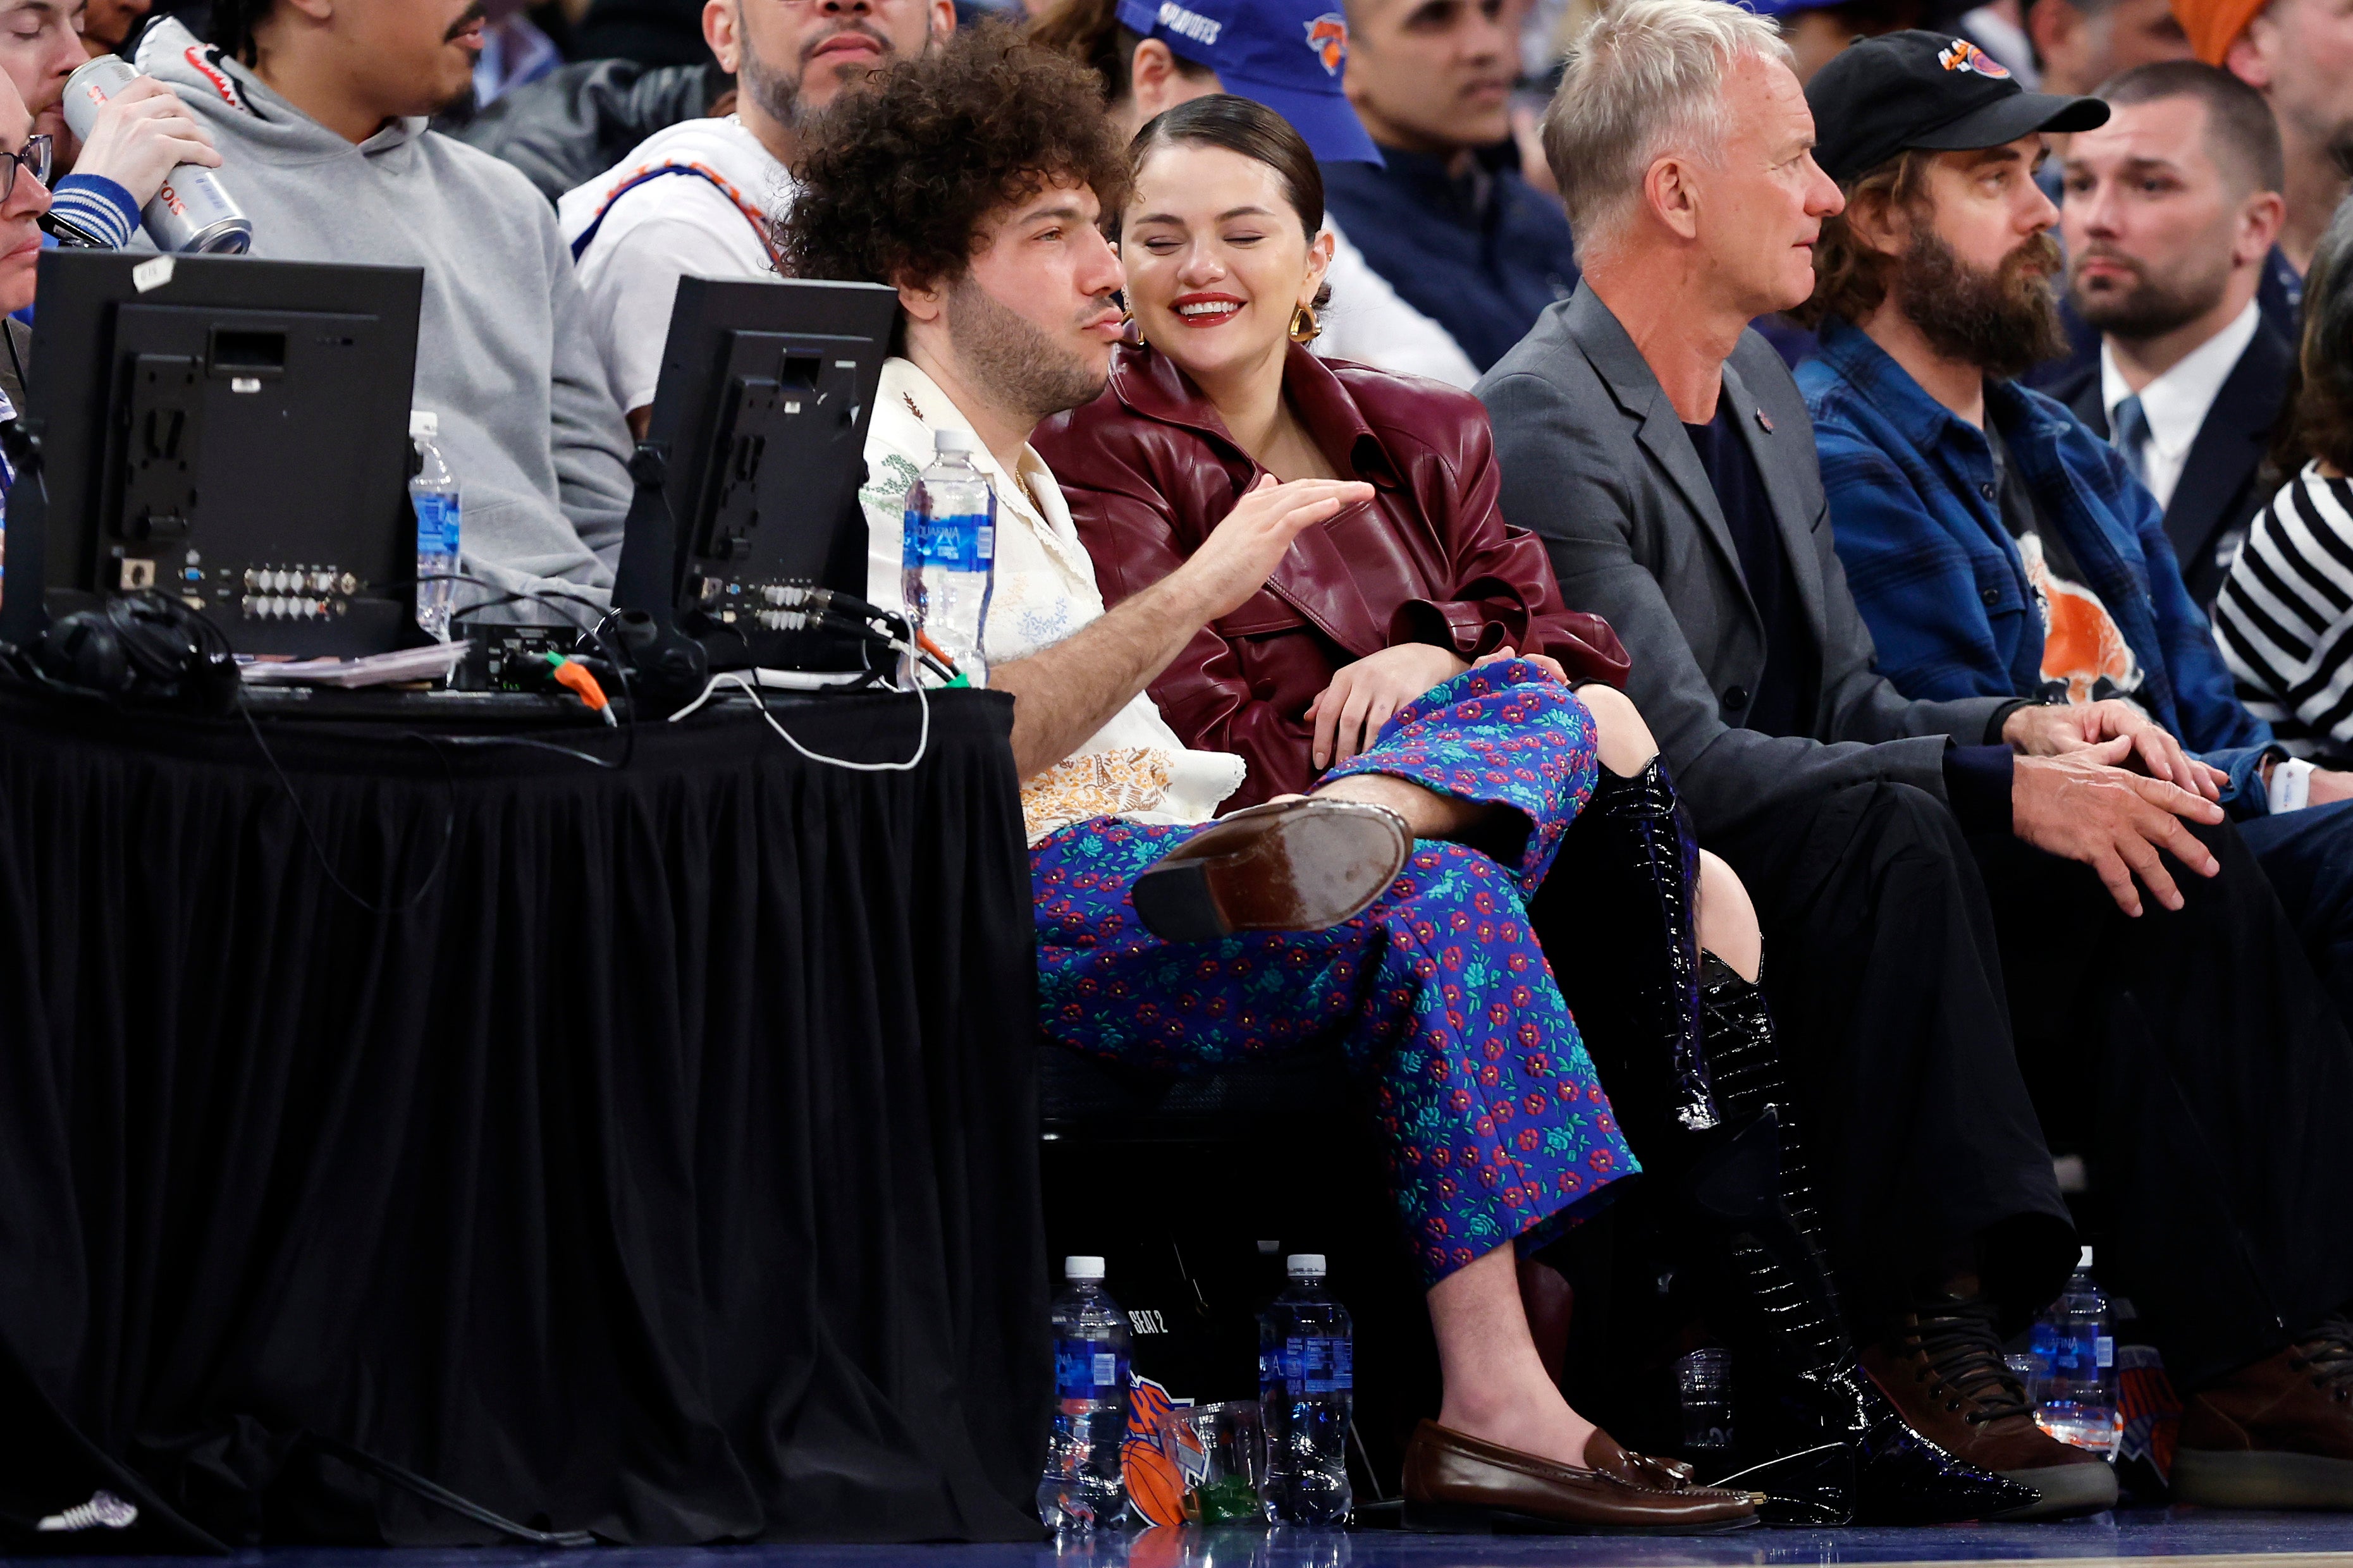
(2149, 1538)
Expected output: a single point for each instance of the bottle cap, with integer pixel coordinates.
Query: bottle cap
(2084, 1261)
(951, 440)
(1304, 1266)
(1079, 1270)
(423, 425)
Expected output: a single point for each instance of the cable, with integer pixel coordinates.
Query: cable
(730, 678)
(594, 632)
(448, 821)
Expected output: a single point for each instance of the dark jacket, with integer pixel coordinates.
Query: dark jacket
(1149, 469)
(2222, 486)
(579, 120)
(1596, 460)
(1941, 581)
(1484, 269)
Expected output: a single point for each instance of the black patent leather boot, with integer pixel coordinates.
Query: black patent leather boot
(1664, 1023)
(1629, 872)
(1861, 1462)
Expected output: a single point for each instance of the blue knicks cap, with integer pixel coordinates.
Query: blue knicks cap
(1290, 54)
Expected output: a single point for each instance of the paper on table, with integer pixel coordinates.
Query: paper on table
(428, 663)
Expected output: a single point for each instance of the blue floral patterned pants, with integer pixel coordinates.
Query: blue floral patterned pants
(1495, 1124)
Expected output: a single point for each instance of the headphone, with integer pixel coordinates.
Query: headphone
(144, 648)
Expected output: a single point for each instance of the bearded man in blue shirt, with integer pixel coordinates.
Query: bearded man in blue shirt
(1995, 545)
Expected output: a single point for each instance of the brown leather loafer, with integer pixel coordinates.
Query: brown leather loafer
(1943, 1371)
(1295, 865)
(2278, 1434)
(1456, 1484)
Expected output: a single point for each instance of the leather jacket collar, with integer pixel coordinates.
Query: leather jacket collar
(1149, 383)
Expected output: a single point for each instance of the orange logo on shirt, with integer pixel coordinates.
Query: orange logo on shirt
(2083, 647)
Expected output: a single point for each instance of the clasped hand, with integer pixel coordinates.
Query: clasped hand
(2072, 796)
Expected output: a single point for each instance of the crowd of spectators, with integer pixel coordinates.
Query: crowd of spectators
(1734, 554)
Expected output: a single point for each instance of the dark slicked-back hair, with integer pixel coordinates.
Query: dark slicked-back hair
(896, 181)
(2241, 135)
(233, 23)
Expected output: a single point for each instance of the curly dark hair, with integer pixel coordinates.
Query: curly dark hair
(896, 181)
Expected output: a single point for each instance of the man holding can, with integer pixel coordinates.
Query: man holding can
(139, 136)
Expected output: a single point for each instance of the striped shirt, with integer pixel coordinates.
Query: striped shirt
(2284, 619)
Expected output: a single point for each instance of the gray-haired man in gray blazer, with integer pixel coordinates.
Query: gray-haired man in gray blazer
(1924, 871)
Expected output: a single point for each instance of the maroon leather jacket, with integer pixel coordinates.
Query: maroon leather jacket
(1149, 469)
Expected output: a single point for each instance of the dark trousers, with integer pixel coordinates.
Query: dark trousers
(1939, 999)
(2308, 857)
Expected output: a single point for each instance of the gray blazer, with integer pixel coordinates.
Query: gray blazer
(1595, 459)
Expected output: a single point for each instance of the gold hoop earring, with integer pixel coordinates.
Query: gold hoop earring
(1303, 325)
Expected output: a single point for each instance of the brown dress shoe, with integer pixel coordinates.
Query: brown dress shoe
(1456, 1484)
(2278, 1434)
(1293, 865)
(1943, 1371)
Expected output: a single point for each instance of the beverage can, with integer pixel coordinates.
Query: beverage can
(194, 213)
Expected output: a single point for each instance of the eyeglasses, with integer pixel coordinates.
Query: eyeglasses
(33, 158)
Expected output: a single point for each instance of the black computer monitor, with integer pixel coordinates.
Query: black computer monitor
(230, 431)
(758, 437)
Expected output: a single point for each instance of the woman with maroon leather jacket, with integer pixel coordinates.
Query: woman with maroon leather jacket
(1654, 943)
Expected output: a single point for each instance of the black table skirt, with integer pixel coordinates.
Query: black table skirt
(667, 1171)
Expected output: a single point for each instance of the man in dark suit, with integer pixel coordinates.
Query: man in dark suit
(1958, 947)
(2168, 212)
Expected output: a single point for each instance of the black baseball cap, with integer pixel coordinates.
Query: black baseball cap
(1882, 96)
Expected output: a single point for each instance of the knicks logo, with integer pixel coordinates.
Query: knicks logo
(1328, 36)
(1965, 55)
(1155, 1486)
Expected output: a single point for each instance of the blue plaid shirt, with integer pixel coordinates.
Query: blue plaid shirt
(1940, 580)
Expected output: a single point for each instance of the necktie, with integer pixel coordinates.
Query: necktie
(2131, 435)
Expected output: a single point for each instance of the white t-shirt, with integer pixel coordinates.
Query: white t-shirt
(697, 198)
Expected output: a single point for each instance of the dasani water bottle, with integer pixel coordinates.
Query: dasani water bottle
(433, 492)
(949, 554)
(1306, 1382)
(2075, 1343)
(1082, 1487)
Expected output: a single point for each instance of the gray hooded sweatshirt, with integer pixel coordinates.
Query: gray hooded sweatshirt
(504, 356)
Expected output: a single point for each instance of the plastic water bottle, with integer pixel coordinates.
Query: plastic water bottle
(433, 492)
(1306, 1381)
(1083, 1487)
(2074, 1341)
(949, 557)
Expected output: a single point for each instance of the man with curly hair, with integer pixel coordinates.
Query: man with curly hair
(972, 181)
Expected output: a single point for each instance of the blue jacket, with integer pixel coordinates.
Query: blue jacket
(1940, 580)
(1483, 272)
